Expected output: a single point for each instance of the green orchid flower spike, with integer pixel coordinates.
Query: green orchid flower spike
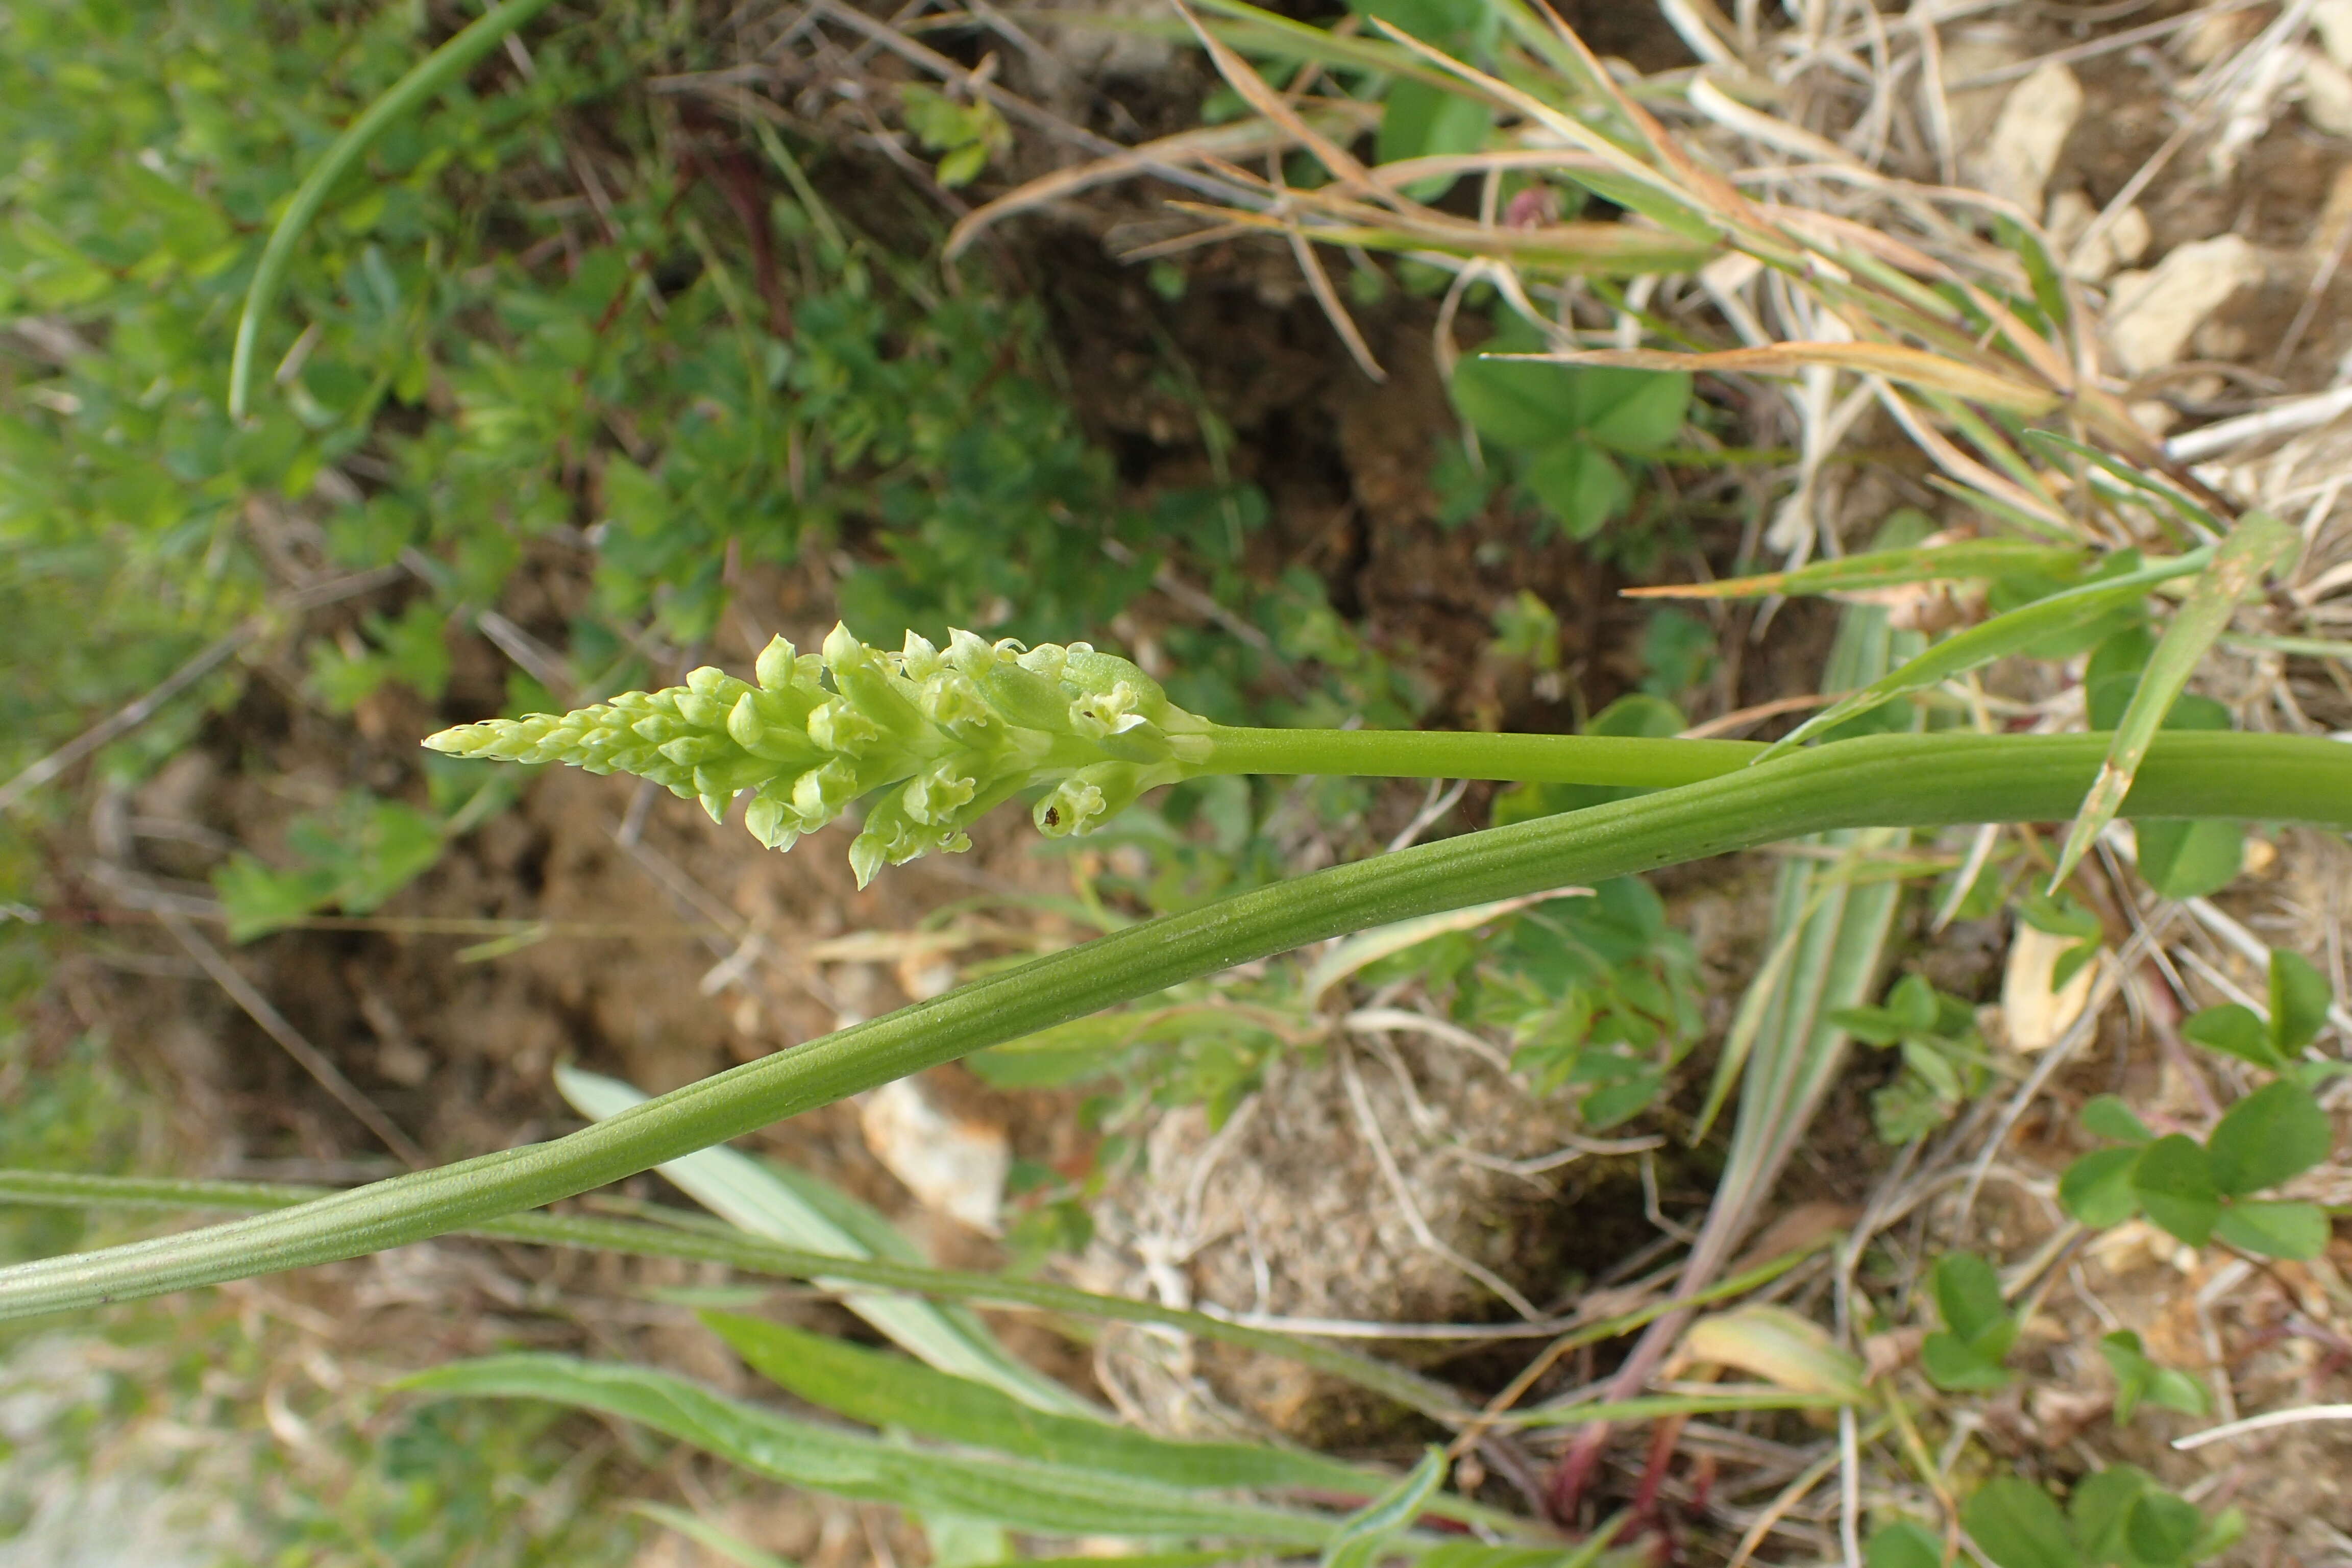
(949, 733)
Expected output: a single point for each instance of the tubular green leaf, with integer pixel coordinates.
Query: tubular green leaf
(430, 75)
(1880, 779)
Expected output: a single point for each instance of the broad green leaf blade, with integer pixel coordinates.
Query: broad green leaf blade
(1018, 1495)
(1373, 1529)
(2174, 1180)
(883, 1390)
(2259, 544)
(2017, 1526)
(741, 1191)
(2110, 1116)
(2235, 1031)
(2294, 1230)
(2299, 999)
(2190, 859)
(1903, 1544)
(1996, 638)
(1967, 1293)
(2133, 1370)
(2276, 1132)
(1645, 409)
(1964, 560)
(2098, 1189)
(1952, 1365)
(1580, 484)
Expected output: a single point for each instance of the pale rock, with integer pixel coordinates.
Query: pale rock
(2217, 35)
(2018, 159)
(2152, 315)
(2327, 93)
(2034, 1015)
(2070, 214)
(2128, 238)
(954, 1166)
(2332, 20)
(1971, 51)
(2121, 243)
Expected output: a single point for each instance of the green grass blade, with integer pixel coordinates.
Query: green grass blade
(1017, 1494)
(709, 1536)
(1908, 781)
(691, 1238)
(1962, 560)
(883, 1390)
(746, 1194)
(2173, 500)
(437, 71)
(1366, 1534)
(2258, 545)
(1997, 639)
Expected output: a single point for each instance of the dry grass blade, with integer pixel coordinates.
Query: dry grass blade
(1236, 140)
(1915, 367)
(2257, 546)
(1260, 96)
(1666, 201)
(1611, 249)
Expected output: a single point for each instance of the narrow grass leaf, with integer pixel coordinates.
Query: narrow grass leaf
(1781, 1346)
(683, 1237)
(1369, 1532)
(1963, 559)
(1017, 1494)
(2260, 544)
(1911, 367)
(2146, 484)
(709, 1536)
(747, 1194)
(1997, 639)
(884, 1390)
(1369, 947)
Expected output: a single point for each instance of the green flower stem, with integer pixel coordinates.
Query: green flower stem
(1913, 781)
(426, 80)
(1468, 755)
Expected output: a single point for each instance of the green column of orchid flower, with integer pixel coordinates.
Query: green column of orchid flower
(949, 734)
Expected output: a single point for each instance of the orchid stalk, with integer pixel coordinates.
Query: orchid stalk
(940, 737)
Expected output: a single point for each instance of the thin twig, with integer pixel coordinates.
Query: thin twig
(121, 723)
(306, 1055)
(1414, 1218)
(2296, 1416)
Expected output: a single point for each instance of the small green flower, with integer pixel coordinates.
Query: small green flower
(949, 733)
